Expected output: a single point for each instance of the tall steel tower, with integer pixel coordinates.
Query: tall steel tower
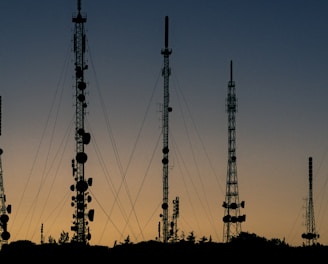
(166, 52)
(4, 210)
(232, 219)
(82, 138)
(311, 235)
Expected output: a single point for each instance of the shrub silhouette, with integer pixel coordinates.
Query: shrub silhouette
(245, 247)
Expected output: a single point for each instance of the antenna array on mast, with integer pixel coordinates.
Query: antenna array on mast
(79, 201)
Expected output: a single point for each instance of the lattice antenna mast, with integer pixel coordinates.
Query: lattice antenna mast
(42, 235)
(311, 235)
(232, 219)
(166, 71)
(79, 201)
(174, 223)
(4, 210)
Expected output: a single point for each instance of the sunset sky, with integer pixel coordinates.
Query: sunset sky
(279, 51)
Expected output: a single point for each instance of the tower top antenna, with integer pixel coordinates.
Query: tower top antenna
(166, 32)
(79, 5)
(231, 71)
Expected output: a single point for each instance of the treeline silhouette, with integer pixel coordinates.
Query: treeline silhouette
(245, 247)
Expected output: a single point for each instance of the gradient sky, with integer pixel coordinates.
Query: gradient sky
(280, 55)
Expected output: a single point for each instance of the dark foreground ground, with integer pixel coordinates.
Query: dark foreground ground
(157, 252)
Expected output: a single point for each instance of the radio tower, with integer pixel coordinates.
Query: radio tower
(166, 109)
(232, 219)
(4, 218)
(310, 236)
(79, 202)
(42, 235)
(174, 223)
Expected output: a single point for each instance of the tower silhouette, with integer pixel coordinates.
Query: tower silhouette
(174, 222)
(42, 235)
(232, 219)
(4, 210)
(79, 201)
(311, 235)
(166, 52)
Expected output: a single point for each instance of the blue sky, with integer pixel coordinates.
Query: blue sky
(279, 53)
